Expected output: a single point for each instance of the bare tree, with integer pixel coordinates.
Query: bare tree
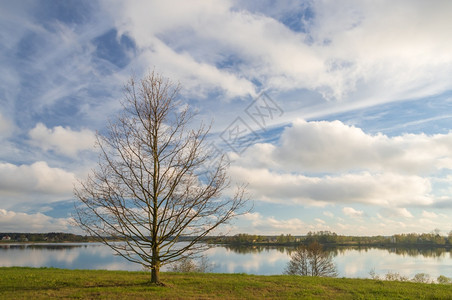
(189, 265)
(311, 261)
(422, 278)
(147, 190)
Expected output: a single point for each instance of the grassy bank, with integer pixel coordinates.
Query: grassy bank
(44, 283)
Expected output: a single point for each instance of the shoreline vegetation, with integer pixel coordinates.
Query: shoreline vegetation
(51, 237)
(331, 239)
(48, 283)
(326, 238)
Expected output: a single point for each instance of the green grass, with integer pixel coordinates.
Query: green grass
(45, 283)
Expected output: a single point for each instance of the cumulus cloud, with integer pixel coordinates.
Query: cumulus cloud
(328, 214)
(387, 222)
(396, 212)
(321, 162)
(62, 140)
(11, 221)
(35, 182)
(429, 214)
(401, 221)
(385, 189)
(272, 225)
(323, 146)
(351, 212)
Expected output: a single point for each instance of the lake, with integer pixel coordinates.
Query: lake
(350, 262)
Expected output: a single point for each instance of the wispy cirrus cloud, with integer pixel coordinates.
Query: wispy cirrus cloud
(343, 51)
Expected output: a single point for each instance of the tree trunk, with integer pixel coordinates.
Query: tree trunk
(155, 275)
(155, 263)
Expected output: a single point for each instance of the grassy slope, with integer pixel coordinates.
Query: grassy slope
(44, 283)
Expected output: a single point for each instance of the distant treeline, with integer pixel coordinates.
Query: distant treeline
(323, 237)
(331, 238)
(60, 237)
(44, 237)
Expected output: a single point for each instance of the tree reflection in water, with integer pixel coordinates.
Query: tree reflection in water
(264, 260)
(404, 251)
(245, 249)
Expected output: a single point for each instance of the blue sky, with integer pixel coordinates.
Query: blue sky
(343, 108)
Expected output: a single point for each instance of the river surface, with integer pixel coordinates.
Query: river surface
(350, 262)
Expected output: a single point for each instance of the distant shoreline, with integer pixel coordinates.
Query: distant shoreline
(326, 238)
(247, 245)
(334, 245)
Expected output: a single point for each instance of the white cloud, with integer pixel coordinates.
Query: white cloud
(360, 53)
(328, 214)
(35, 182)
(351, 212)
(271, 225)
(429, 215)
(323, 162)
(335, 147)
(11, 221)
(62, 140)
(387, 222)
(386, 189)
(198, 78)
(411, 40)
(401, 221)
(150, 24)
(396, 212)
(58, 66)
(346, 50)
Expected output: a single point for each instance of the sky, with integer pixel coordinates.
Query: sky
(337, 114)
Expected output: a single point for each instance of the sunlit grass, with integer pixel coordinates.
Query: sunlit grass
(45, 283)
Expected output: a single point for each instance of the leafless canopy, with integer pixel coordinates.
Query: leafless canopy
(311, 260)
(147, 190)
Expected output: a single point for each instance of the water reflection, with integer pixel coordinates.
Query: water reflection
(264, 260)
(256, 249)
(64, 255)
(255, 260)
(404, 251)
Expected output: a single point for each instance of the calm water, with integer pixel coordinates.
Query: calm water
(257, 260)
